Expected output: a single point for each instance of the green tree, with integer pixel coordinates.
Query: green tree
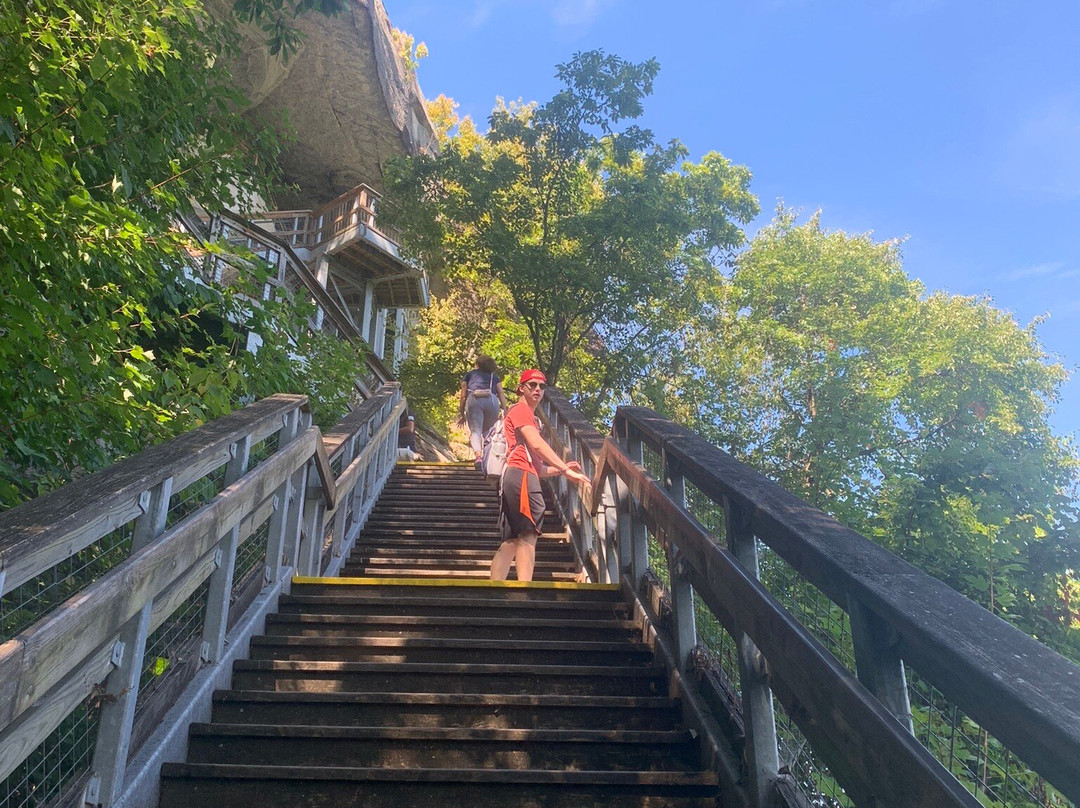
(586, 220)
(113, 116)
(919, 419)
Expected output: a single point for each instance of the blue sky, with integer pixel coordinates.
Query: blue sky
(952, 125)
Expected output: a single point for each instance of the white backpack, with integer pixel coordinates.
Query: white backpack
(494, 457)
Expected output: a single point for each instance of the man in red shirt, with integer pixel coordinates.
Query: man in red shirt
(529, 457)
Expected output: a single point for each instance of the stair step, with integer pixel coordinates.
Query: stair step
(187, 785)
(334, 677)
(548, 552)
(443, 747)
(448, 562)
(494, 592)
(486, 628)
(444, 650)
(441, 536)
(477, 710)
(479, 573)
(372, 605)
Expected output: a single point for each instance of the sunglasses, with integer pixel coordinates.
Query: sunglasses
(536, 385)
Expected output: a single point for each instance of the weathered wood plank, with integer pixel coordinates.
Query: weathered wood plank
(347, 427)
(40, 534)
(1022, 692)
(43, 654)
(326, 475)
(592, 442)
(347, 479)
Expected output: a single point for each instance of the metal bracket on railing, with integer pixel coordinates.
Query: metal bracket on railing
(117, 657)
(91, 794)
(267, 574)
(204, 651)
(217, 558)
(276, 502)
(232, 451)
(144, 501)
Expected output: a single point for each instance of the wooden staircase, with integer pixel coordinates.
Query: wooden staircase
(418, 682)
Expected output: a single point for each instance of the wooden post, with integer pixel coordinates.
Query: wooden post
(759, 721)
(639, 541)
(122, 685)
(219, 590)
(608, 524)
(294, 534)
(284, 521)
(879, 667)
(682, 593)
(342, 505)
(312, 532)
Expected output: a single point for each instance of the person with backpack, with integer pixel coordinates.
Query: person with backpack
(521, 501)
(480, 403)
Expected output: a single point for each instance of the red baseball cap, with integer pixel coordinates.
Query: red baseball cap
(532, 375)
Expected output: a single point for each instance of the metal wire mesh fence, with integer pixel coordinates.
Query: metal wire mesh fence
(263, 449)
(194, 496)
(829, 624)
(55, 768)
(173, 647)
(25, 604)
(251, 557)
(977, 759)
(798, 759)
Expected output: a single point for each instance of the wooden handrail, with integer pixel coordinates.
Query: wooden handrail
(41, 533)
(1022, 692)
(48, 669)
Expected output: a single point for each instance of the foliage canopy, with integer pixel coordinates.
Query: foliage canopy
(585, 220)
(919, 419)
(112, 116)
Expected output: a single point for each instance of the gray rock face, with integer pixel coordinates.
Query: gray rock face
(346, 97)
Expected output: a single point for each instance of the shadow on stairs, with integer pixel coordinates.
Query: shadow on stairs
(415, 681)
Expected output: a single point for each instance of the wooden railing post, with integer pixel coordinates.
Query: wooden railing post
(342, 505)
(313, 532)
(294, 534)
(682, 593)
(285, 520)
(607, 522)
(219, 591)
(759, 721)
(122, 685)
(879, 667)
(638, 539)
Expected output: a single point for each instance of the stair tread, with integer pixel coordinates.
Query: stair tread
(456, 622)
(455, 734)
(476, 669)
(585, 777)
(465, 699)
(451, 643)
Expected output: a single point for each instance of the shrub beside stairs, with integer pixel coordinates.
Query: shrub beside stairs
(415, 681)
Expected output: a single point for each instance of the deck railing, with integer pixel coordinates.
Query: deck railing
(202, 532)
(288, 273)
(312, 228)
(854, 679)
